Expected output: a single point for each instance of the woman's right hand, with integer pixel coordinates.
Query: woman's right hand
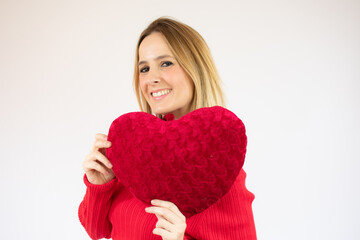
(96, 165)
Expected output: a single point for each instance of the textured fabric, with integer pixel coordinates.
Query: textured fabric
(110, 210)
(191, 162)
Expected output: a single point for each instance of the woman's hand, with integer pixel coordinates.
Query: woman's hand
(96, 165)
(171, 222)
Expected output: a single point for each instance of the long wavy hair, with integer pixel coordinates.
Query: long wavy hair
(193, 55)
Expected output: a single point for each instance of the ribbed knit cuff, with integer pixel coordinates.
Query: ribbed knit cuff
(94, 209)
(100, 188)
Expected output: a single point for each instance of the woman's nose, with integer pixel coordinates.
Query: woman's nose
(154, 77)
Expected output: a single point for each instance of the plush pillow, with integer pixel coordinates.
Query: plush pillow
(192, 161)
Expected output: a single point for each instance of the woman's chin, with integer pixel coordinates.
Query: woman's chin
(162, 111)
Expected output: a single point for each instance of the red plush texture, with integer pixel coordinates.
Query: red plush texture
(192, 161)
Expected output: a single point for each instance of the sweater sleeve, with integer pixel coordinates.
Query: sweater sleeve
(94, 208)
(229, 218)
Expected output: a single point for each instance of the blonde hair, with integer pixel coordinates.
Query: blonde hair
(193, 55)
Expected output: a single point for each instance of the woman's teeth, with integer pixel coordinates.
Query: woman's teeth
(160, 93)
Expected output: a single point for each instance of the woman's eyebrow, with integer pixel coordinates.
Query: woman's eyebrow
(157, 58)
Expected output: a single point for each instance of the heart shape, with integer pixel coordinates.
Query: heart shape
(192, 161)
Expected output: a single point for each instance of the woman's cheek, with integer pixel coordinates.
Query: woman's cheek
(143, 86)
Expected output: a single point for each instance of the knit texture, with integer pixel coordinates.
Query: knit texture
(111, 211)
(191, 162)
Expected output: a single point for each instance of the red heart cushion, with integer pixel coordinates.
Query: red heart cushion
(192, 161)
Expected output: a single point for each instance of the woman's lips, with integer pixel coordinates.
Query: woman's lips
(158, 95)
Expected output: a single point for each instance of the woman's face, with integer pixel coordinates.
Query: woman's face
(165, 85)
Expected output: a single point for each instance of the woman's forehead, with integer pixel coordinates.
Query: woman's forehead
(154, 47)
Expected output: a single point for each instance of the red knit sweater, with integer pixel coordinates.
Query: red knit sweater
(111, 211)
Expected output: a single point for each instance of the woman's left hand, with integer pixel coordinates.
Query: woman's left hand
(171, 222)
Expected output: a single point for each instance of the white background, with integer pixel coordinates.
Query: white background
(290, 69)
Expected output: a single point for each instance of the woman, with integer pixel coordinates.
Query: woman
(174, 74)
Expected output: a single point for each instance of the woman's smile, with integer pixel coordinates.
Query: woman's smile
(160, 94)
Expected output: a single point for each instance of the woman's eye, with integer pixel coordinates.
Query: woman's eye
(144, 69)
(166, 64)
